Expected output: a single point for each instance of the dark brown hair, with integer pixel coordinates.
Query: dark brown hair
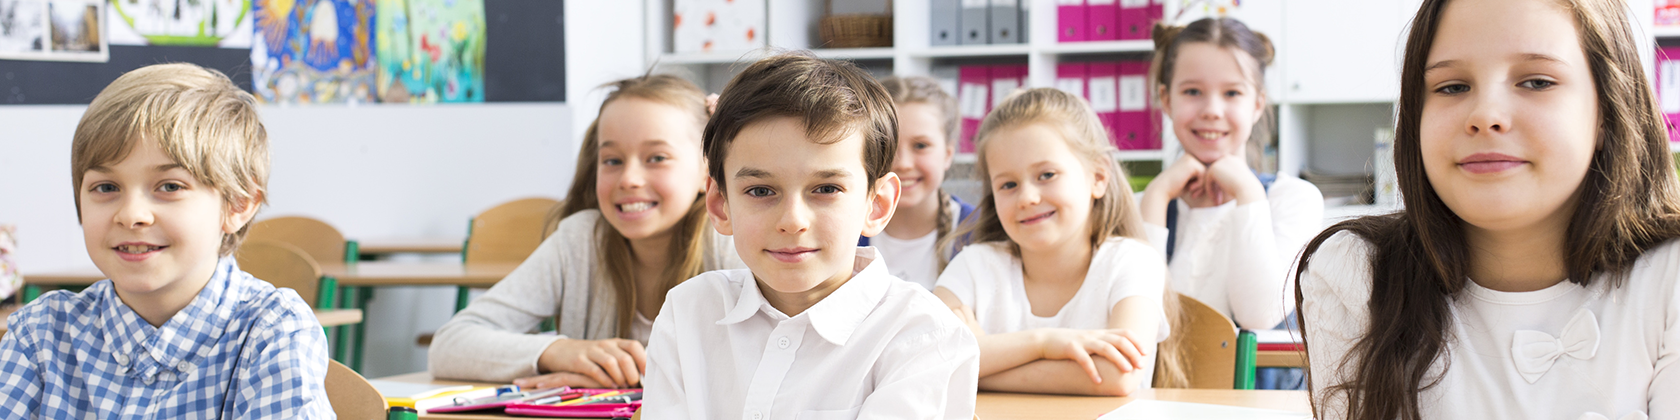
(1223, 33)
(613, 252)
(834, 98)
(1420, 259)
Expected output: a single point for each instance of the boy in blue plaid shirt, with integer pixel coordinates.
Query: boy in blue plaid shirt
(170, 164)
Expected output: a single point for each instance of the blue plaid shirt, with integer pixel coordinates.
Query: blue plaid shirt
(241, 349)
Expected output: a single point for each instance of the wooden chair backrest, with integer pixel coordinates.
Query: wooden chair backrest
(509, 232)
(316, 238)
(1209, 351)
(283, 265)
(352, 397)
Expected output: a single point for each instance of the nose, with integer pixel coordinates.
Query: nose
(633, 177)
(796, 216)
(902, 159)
(133, 213)
(1212, 109)
(1489, 114)
(1029, 196)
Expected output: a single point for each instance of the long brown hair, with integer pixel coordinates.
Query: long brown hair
(613, 251)
(1420, 259)
(1223, 33)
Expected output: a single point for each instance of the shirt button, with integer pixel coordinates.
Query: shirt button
(148, 380)
(184, 367)
(783, 342)
(757, 415)
(121, 359)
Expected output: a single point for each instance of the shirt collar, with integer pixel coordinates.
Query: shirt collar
(836, 316)
(202, 321)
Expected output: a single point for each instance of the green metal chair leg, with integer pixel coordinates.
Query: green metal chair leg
(463, 296)
(1247, 347)
(31, 292)
(326, 298)
(347, 299)
(362, 297)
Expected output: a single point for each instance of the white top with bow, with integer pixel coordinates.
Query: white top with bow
(1564, 352)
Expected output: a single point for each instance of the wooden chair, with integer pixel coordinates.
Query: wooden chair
(352, 397)
(509, 232)
(1209, 349)
(283, 265)
(316, 238)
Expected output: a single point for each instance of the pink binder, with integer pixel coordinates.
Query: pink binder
(973, 86)
(1134, 19)
(1102, 90)
(1668, 88)
(1103, 19)
(1071, 21)
(1006, 78)
(1070, 78)
(1134, 123)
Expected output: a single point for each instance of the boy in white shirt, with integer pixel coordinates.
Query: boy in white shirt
(800, 152)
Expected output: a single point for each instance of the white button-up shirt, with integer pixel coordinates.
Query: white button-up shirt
(877, 347)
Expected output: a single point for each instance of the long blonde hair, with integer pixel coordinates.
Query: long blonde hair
(613, 250)
(926, 90)
(1113, 215)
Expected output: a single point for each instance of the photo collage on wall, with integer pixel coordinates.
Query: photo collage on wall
(53, 30)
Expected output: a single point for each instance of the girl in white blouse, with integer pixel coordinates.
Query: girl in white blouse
(632, 227)
(1056, 273)
(1229, 233)
(1533, 273)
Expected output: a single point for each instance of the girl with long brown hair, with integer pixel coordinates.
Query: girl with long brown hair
(632, 227)
(1533, 272)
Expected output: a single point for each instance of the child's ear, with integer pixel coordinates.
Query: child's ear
(717, 207)
(1100, 187)
(240, 212)
(882, 202)
(1162, 97)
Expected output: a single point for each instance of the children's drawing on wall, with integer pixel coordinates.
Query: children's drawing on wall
(202, 23)
(431, 50)
(313, 51)
(55, 30)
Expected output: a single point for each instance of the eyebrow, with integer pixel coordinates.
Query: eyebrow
(750, 172)
(1521, 57)
(657, 142)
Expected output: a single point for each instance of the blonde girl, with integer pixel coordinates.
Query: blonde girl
(1533, 272)
(632, 227)
(1062, 295)
(927, 121)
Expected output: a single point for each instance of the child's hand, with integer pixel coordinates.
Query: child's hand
(614, 363)
(1184, 176)
(1234, 179)
(1116, 345)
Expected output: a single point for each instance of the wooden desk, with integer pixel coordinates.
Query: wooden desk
(6, 315)
(80, 276)
(382, 273)
(1003, 406)
(383, 246)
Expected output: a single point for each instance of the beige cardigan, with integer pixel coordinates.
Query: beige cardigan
(492, 339)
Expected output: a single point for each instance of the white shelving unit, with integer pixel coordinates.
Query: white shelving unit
(1333, 83)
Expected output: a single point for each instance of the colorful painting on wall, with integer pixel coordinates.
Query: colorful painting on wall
(52, 30)
(313, 51)
(202, 23)
(430, 50)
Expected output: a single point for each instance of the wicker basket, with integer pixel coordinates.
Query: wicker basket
(856, 30)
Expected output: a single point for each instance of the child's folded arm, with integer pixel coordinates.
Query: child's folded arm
(1047, 376)
(284, 369)
(489, 340)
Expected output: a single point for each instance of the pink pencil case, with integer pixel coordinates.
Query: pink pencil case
(499, 402)
(575, 411)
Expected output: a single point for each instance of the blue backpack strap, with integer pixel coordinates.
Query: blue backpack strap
(1266, 181)
(863, 240)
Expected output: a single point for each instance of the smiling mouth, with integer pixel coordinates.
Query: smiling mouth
(791, 255)
(1038, 218)
(637, 207)
(1209, 135)
(137, 249)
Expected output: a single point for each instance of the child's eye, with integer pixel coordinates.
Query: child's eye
(1046, 176)
(759, 192)
(1006, 185)
(1537, 84)
(169, 187)
(1192, 92)
(657, 159)
(104, 188)
(922, 145)
(1453, 89)
(827, 189)
(612, 161)
(1233, 93)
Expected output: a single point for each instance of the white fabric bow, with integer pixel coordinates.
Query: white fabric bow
(1534, 352)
